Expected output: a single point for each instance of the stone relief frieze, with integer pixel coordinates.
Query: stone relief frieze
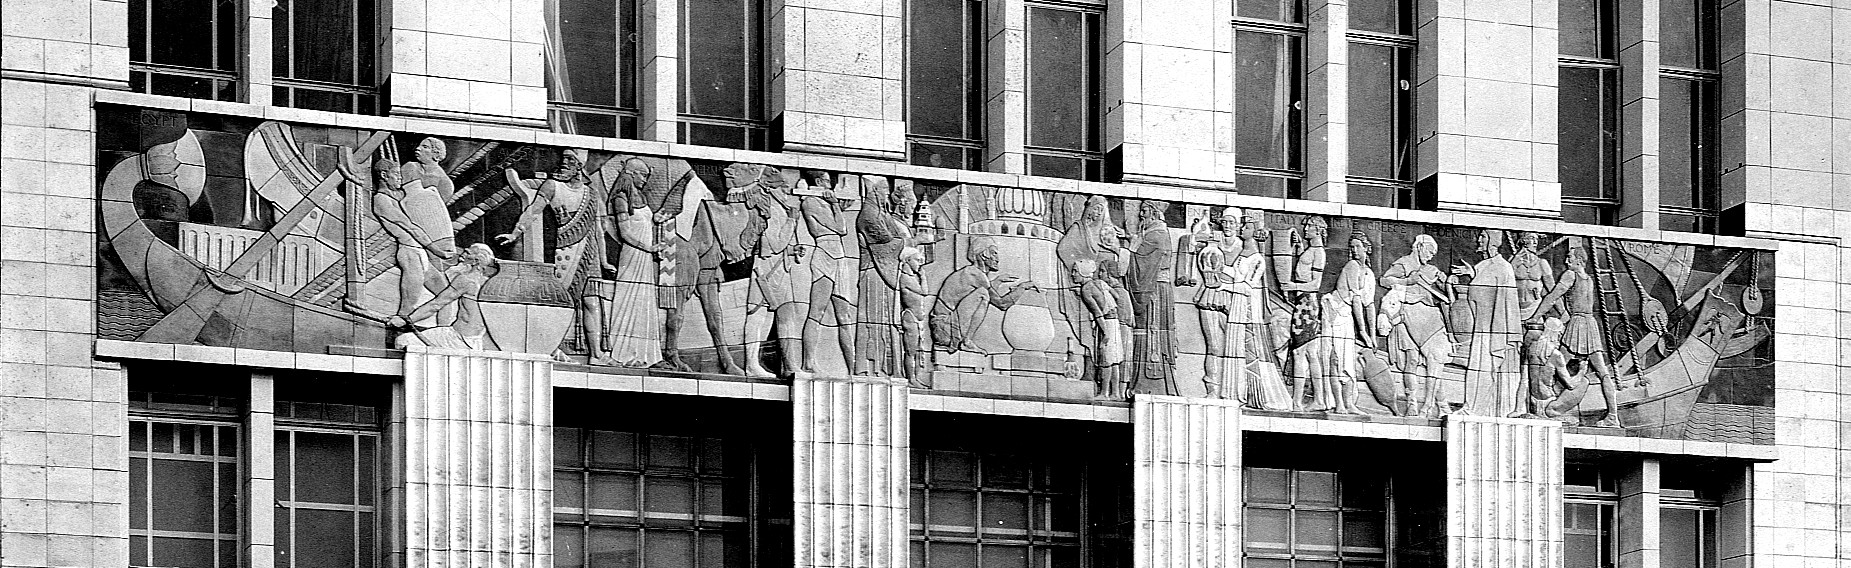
(266, 235)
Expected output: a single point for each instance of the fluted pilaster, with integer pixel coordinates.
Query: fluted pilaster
(851, 460)
(478, 455)
(1187, 460)
(1503, 492)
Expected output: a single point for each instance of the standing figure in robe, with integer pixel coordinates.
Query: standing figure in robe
(635, 335)
(774, 304)
(1153, 296)
(1492, 368)
(1349, 323)
(1418, 344)
(885, 234)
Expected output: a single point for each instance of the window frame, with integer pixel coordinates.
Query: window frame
(976, 76)
(699, 524)
(1388, 529)
(1705, 123)
(225, 75)
(284, 495)
(364, 90)
(755, 126)
(1604, 495)
(1606, 62)
(1091, 158)
(1037, 542)
(222, 424)
(1400, 190)
(1296, 31)
(625, 119)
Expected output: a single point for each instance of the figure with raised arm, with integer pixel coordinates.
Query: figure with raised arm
(579, 259)
(1418, 344)
(1575, 293)
(462, 285)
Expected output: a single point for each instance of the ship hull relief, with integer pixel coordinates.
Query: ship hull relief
(265, 235)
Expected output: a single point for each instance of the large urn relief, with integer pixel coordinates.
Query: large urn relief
(526, 308)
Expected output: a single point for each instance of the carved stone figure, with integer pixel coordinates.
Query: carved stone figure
(882, 226)
(1492, 359)
(1555, 390)
(832, 272)
(1152, 285)
(967, 295)
(425, 170)
(1418, 344)
(677, 262)
(578, 243)
(1105, 347)
(915, 341)
(1534, 275)
(1217, 307)
(634, 338)
(1349, 323)
(714, 241)
(774, 305)
(462, 285)
(1300, 284)
(1581, 335)
(419, 222)
(1109, 272)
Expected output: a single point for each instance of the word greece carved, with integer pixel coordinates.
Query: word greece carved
(266, 235)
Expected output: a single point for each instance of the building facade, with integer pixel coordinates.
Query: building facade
(937, 283)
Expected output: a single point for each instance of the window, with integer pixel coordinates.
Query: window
(1315, 518)
(1688, 183)
(184, 48)
(944, 83)
(324, 54)
(327, 484)
(722, 98)
(1269, 95)
(184, 481)
(1381, 109)
(1063, 90)
(1588, 104)
(591, 67)
(982, 505)
(1689, 499)
(1590, 499)
(667, 488)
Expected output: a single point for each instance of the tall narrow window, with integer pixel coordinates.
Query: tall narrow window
(184, 480)
(324, 54)
(1688, 197)
(944, 83)
(1064, 90)
(722, 55)
(1687, 530)
(1590, 499)
(591, 67)
(1588, 112)
(982, 504)
(327, 485)
(1381, 97)
(1269, 97)
(184, 48)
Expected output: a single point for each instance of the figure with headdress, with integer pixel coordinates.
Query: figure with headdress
(775, 307)
(635, 337)
(579, 259)
(832, 270)
(1492, 368)
(882, 226)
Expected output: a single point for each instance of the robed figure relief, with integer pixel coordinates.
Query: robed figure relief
(1492, 374)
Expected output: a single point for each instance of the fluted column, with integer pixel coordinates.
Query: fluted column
(1187, 491)
(850, 483)
(478, 458)
(1503, 492)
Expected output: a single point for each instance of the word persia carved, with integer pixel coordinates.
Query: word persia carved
(265, 235)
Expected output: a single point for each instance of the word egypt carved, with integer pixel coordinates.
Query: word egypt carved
(265, 235)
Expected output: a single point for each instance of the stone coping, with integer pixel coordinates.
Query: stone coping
(1201, 196)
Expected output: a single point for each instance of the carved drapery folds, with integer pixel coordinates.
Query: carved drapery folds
(375, 240)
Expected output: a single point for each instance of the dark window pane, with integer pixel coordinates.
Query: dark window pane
(1314, 531)
(1005, 512)
(950, 555)
(614, 548)
(944, 156)
(942, 77)
(1679, 538)
(1376, 144)
(719, 57)
(1060, 166)
(1005, 472)
(953, 467)
(669, 549)
(324, 539)
(613, 492)
(182, 33)
(328, 461)
(673, 496)
(1276, 10)
(568, 546)
(138, 493)
(613, 449)
(1683, 30)
(716, 135)
(1060, 80)
(568, 489)
(1377, 195)
(189, 552)
(1269, 485)
(1364, 531)
(999, 556)
(954, 508)
(1377, 16)
(1316, 488)
(323, 40)
(1268, 529)
(1682, 145)
(1266, 95)
(589, 51)
(1584, 28)
(675, 452)
(1587, 130)
(183, 496)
